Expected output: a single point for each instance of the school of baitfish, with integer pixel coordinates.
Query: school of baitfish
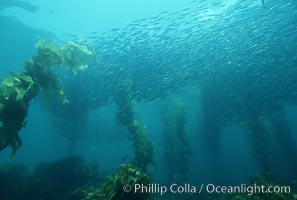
(241, 55)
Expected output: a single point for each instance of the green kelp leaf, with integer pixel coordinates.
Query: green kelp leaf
(7, 94)
(26, 78)
(58, 89)
(77, 55)
(49, 53)
(54, 86)
(20, 93)
(62, 96)
(47, 81)
(8, 81)
(26, 85)
(113, 188)
(16, 86)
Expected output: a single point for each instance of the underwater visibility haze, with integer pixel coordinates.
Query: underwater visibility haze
(120, 100)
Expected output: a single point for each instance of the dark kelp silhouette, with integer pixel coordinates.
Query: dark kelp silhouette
(18, 89)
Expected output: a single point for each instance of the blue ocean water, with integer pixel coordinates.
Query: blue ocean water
(210, 85)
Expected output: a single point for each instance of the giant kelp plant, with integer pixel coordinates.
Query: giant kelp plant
(18, 89)
(69, 120)
(176, 147)
(211, 119)
(15, 93)
(272, 143)
(70, 123)
(260, 133)
(286, 143)
(112, 189)
(143, 147)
